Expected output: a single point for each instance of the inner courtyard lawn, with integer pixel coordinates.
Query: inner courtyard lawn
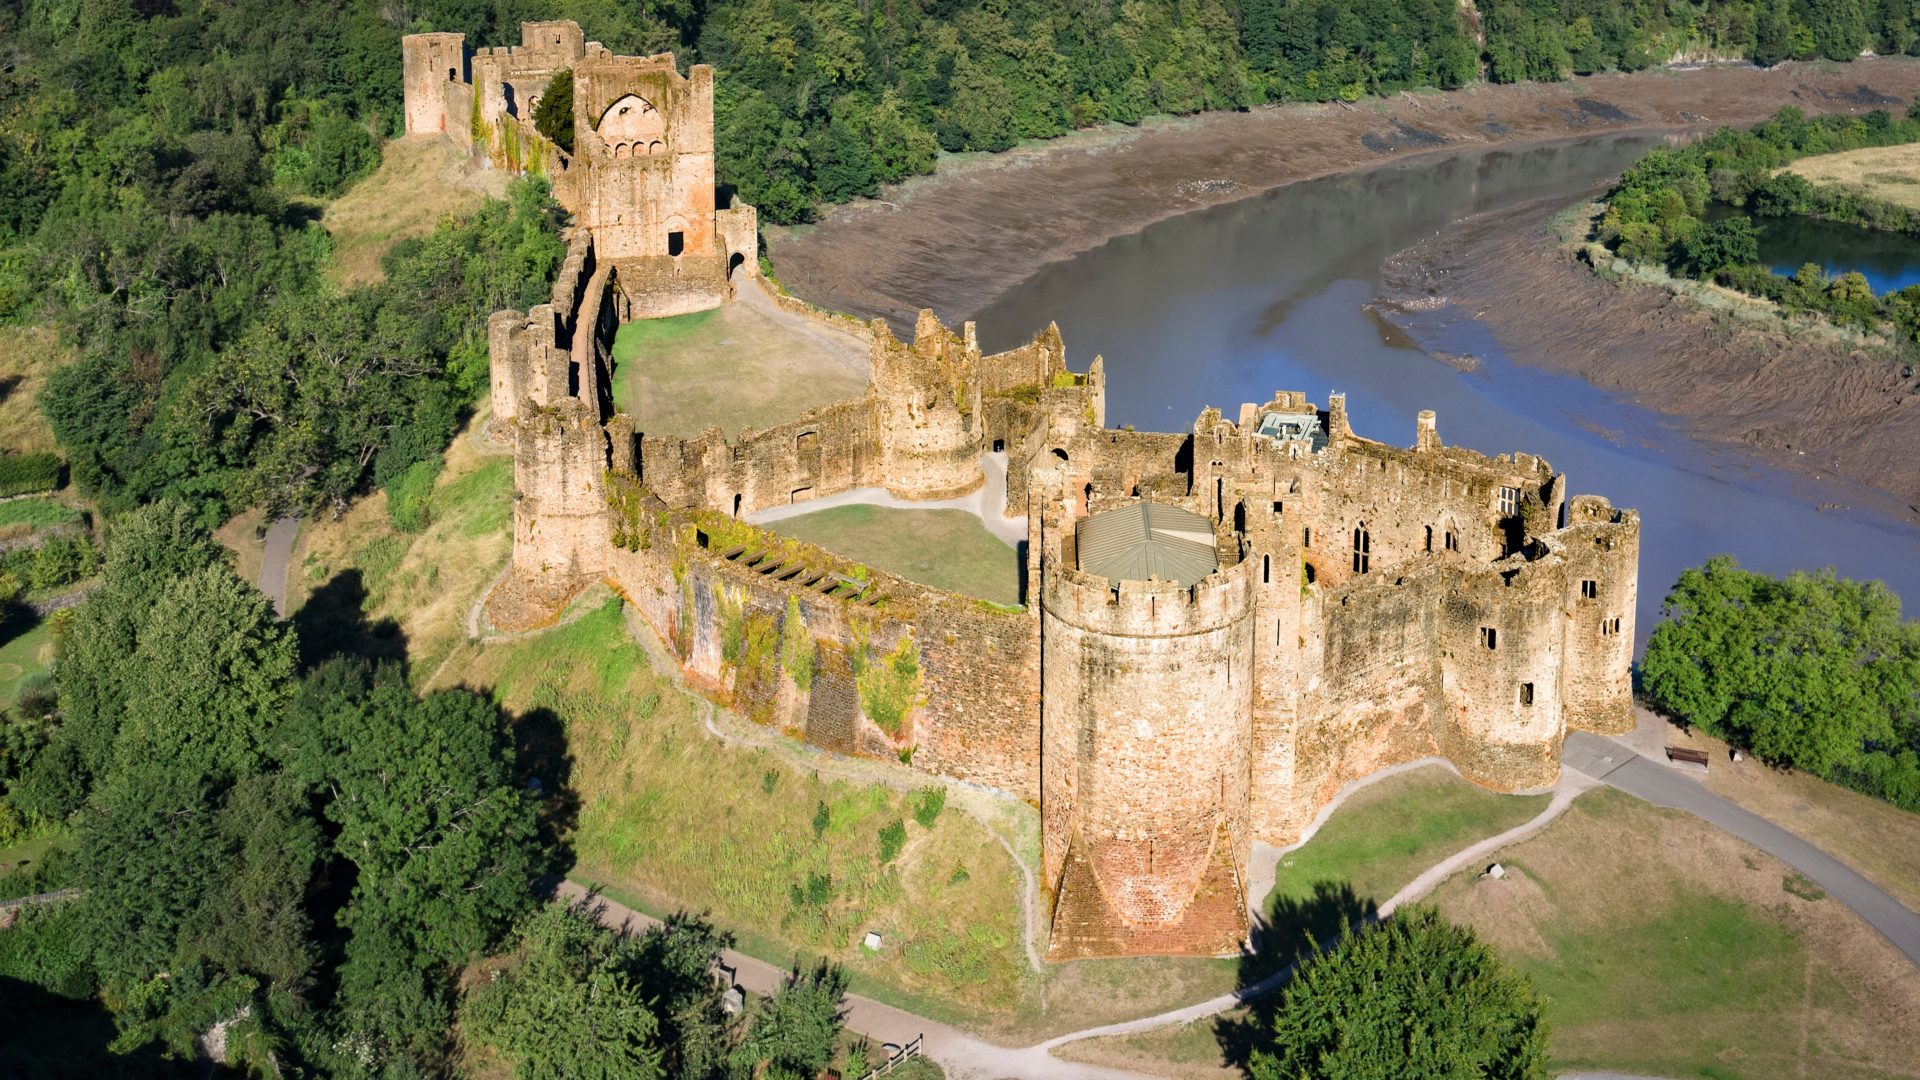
(734, 367)
(948, 549)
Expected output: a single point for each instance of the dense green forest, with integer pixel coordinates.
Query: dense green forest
(1691, 209)
(249, 852)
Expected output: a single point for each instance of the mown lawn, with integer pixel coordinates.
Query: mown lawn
(36, 513)
(1380, 839)
(23, 658)
(948, 549)
(1663, 946)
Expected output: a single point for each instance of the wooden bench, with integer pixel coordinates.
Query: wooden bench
(1687, 759)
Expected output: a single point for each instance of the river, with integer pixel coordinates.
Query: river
(1230, 303)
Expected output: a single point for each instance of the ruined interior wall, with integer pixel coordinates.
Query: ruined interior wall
(979, 720)
(662, 287)
(824, 452)
(738, 227)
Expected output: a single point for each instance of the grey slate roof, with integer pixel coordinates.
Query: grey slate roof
(1147, 540)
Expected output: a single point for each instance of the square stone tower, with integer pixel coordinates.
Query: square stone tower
(646, 135)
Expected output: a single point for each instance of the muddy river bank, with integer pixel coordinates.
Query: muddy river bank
(1847, 418)
(955, 240)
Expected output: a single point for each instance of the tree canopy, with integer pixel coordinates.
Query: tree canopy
(1812, 671)
(1411, 996)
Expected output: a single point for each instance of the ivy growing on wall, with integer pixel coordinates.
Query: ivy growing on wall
(889, 685)
(798, 652)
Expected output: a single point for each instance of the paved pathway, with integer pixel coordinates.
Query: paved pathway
(1616, 764)
(274, 558)
(985, 503)
(961, 1055)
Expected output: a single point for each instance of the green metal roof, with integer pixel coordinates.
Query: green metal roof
(1147, 540)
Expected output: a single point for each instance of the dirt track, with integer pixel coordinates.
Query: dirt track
(956, 240)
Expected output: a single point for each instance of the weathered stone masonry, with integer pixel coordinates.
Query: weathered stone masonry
(1371, 603)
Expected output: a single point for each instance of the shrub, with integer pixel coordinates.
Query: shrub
(893, 837)
(822, 818)
(62, 561)
(410, 496)
(24, 473)
(890, 688)
(928, 804)
(797, 649)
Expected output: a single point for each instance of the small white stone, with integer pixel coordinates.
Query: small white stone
(1496, 871)
(872, 942)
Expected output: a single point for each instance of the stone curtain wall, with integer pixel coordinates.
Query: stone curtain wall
(979, 719)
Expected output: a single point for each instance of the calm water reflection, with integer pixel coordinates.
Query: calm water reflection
(1890, 261)
(1228, 304)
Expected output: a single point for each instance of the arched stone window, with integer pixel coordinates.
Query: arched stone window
(634, 121)
(1362, 548)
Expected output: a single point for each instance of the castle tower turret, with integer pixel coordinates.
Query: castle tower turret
(932, 425)
(1147, 691)
(430, 63)
(560, 524)
(1601, 546)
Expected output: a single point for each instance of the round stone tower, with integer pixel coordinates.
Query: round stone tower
(1146, 736)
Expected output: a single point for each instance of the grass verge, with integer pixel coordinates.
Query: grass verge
(1877, 839)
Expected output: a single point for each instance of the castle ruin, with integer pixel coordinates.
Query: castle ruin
(1311, 606)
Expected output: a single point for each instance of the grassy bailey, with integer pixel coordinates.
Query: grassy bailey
(947, 549)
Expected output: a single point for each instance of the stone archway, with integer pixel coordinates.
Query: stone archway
(632, 121)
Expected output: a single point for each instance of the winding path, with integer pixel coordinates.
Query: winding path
(276, 554)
